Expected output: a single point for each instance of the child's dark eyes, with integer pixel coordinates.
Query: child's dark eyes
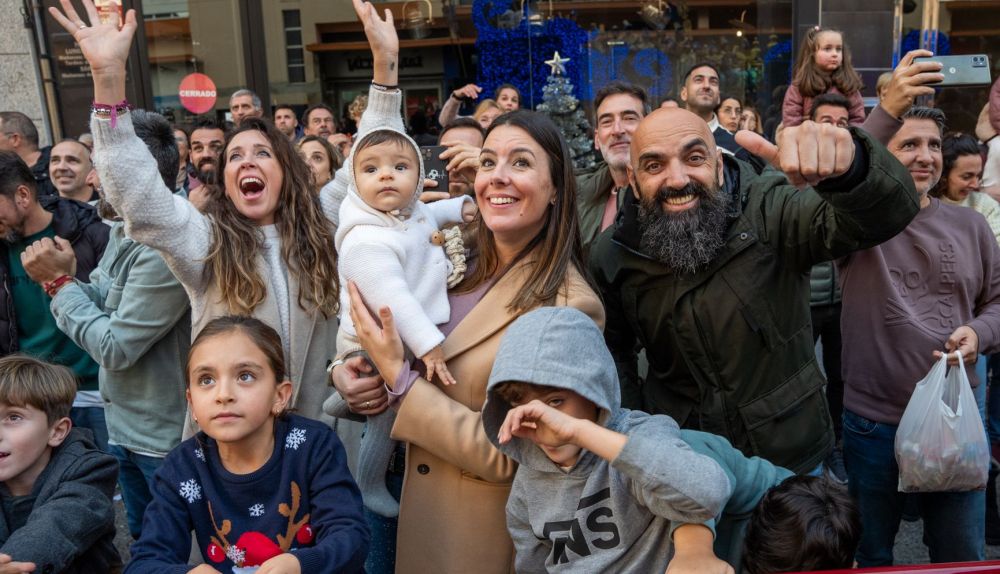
(205, 381)
(555, 402)
(14, 418)
(247, 377)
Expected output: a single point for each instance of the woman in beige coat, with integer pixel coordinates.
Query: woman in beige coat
(455, 487)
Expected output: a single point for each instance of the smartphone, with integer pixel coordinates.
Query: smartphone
(964, 70)
(434, 166)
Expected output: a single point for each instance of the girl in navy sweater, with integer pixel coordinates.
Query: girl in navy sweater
(263, 490)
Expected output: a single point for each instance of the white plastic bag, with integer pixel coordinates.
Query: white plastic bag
(940, 443)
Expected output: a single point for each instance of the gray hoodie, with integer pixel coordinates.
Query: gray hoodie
(597, 516)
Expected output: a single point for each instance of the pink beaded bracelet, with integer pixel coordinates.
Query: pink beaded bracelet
(111, 111)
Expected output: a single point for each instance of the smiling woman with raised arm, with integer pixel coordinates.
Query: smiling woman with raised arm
(263, 246)
(454, 482)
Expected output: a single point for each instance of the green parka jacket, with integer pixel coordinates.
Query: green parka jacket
(730, 347)
(592, 190)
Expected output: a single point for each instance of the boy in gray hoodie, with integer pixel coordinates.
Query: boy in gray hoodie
(598, 485)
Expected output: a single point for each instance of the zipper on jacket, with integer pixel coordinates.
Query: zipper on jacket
(714, 374)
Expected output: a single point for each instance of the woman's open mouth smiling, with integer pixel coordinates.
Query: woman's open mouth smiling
(251, 187)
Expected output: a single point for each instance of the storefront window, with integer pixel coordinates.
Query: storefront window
(193, 36)
(492, 42)
(649, 43)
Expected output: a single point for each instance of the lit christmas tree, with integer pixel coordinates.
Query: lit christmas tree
(561, 105)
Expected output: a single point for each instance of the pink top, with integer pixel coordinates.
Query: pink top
(461, 305)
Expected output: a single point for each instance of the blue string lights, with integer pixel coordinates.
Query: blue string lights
(512, 48)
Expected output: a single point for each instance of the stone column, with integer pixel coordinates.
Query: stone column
(20, 75)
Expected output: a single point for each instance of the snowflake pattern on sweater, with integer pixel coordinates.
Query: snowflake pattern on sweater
(190, 490)
(303, 500)
(295, 437)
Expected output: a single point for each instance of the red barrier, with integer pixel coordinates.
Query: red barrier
(950, 568)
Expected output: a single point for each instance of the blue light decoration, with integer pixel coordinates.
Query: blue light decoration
(649, 67)
(778, 51)
(778, 56)
(911, 41)
(513, 50)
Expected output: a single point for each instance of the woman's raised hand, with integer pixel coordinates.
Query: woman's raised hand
(383, 40)
(381, 33)
(104, 45)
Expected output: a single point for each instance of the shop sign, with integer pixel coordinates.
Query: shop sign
(417, 62)
(197, 93)
(73, 67)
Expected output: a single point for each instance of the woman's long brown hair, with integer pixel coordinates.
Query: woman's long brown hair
(557, 245)
(306, 237)
(812, 81)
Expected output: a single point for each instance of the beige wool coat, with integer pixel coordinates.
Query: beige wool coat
(452, 517)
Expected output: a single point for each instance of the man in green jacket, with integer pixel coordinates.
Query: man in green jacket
(707, 268)
(618, 107)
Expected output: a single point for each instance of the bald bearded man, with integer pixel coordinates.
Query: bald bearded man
(708, 269)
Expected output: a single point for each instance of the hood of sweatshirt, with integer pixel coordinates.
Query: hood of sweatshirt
(559, 347)
(354, 211)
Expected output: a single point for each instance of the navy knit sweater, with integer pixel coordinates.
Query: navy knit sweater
(303, 500)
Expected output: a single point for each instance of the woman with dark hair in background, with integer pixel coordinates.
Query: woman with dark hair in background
(322, 158)
(961, 176)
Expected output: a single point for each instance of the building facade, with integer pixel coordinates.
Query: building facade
(301, 52)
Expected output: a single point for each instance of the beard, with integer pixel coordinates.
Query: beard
(12, 233)
(686, 241)
(208, 170)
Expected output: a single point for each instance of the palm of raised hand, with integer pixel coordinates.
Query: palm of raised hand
(104, 45)
(381, 33)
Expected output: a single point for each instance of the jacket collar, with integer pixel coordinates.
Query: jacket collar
(69, 218)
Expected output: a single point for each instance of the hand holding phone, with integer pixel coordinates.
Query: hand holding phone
(434, 167)
(911, 79)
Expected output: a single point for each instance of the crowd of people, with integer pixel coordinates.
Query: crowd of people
(291, 351)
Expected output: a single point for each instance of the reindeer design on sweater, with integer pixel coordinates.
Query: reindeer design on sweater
(252, 548)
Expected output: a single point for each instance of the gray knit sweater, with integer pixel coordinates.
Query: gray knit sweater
(172, 225)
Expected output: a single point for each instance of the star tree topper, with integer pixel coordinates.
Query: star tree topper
(557, 63)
